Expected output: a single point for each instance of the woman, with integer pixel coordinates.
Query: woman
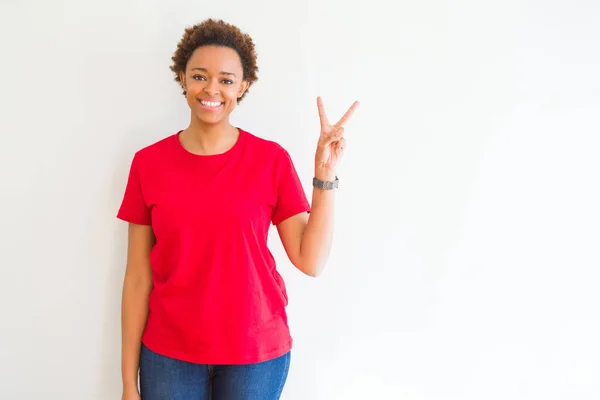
(203, 310)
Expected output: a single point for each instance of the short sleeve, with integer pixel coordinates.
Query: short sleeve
(291, 198)
(133, 207)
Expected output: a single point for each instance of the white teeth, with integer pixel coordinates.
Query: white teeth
(210, 103)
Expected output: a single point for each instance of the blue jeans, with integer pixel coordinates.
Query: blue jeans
(165, 378)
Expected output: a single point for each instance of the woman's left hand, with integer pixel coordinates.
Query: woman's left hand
(330, 147)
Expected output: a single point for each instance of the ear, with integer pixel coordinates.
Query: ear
(182, 79)
(245, 85)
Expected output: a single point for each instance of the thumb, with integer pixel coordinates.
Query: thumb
(335, 135)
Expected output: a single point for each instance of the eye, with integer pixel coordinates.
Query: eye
(198, 77)
(227, 81)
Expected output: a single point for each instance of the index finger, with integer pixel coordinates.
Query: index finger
(348, 114)
(322, 113)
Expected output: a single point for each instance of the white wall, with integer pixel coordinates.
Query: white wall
(466, 259)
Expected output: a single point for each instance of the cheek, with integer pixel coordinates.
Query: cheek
(232, 93)
(194, 86)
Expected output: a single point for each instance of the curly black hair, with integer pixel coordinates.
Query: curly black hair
(217, 33)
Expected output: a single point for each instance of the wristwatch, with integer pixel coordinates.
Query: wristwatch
(326, 185)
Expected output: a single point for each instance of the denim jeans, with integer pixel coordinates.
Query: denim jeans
(165, 378)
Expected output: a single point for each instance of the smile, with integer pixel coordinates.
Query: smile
(210, 104)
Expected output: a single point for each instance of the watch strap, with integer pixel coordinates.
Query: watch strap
(326, 185)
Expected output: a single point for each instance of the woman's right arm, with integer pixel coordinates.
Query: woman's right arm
(134, 307)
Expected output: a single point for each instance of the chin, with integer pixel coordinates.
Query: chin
(208, 121)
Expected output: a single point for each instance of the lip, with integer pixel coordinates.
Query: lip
(207, 107)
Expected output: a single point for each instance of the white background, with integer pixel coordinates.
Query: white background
(466, 256)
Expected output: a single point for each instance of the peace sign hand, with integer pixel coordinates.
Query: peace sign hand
(331, 141)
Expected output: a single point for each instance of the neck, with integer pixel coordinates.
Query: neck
(206, 139)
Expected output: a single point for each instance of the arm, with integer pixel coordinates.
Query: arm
(134, 308)
(307, 238)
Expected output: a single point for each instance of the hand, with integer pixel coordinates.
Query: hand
(130, 393)
(331, 141)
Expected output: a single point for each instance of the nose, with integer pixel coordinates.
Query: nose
(211, 88)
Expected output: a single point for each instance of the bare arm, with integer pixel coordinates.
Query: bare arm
(134, 308)
(307, 238)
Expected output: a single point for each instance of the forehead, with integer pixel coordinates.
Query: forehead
(215, 58)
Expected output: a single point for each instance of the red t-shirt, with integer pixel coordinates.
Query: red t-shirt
(217, 297)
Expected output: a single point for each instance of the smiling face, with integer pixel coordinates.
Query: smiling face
(213, 81)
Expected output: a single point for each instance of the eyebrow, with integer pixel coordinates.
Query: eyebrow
(222, 72)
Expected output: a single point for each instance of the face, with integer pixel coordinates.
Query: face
(213, 82)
